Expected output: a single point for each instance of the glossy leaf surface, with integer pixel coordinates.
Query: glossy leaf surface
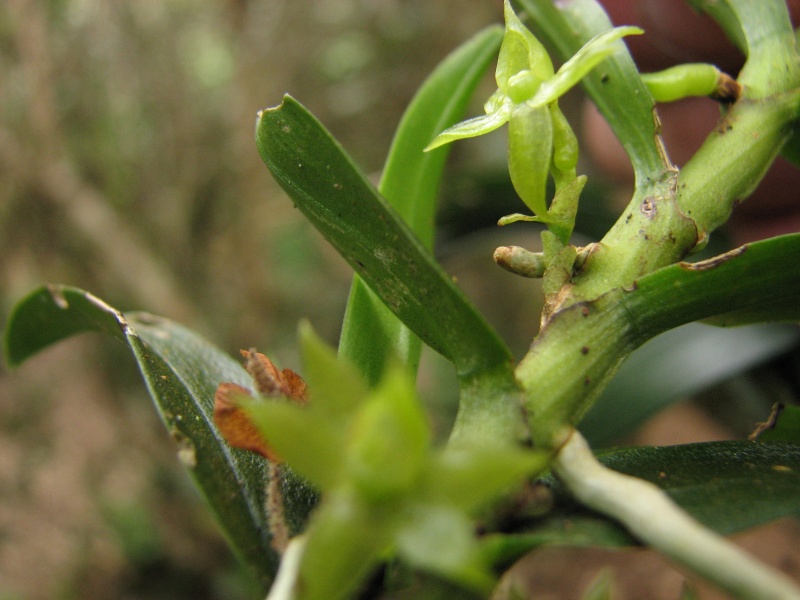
(341, 203)
(371, 333)
(182, 372)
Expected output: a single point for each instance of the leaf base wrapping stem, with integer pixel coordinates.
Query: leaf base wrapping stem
(654, 518)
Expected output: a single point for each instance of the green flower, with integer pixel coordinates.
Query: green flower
(540, 141)
(385, 490)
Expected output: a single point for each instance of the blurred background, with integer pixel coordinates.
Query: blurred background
(128, 168)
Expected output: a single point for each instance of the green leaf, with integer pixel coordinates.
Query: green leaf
(345, 541)
(411, 177)
(754, 283)
(182, 372)
(410, 182)
(470, 478)
(335, 380)
(728, 486)
(391, 424)
(615, 87)
(313, 438)
(301, 438)
(339, 200)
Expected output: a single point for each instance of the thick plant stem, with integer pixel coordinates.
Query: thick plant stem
(654, 518)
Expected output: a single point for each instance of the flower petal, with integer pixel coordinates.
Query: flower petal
(470, 128)
(520, 51)
(530, 148)
(576, 68)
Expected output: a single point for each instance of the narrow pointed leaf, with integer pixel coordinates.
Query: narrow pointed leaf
(339, 387)
(411, 177)
(339, 200)
(301, 438)
(182, 372)
(371, 333)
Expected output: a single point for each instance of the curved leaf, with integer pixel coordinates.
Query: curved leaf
(338, 199)
(410, 182)
(411, 177)
(182, 372)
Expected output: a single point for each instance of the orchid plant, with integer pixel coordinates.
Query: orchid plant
(330, 485)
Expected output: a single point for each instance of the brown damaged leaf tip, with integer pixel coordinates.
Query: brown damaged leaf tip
(272, 382)
(233, 421)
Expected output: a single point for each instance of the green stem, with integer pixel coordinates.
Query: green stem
(489, 410)
(649, 514)
(574, 356)
(667, 219)
(735, 157)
